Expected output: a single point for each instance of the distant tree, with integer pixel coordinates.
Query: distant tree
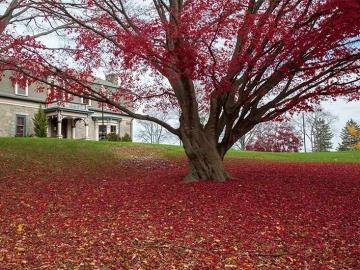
(40, 123)
(245, 140)
(355, 133)
(348, 140)
(276, 137)
(322, 136)
(311, 119)
(151, 132)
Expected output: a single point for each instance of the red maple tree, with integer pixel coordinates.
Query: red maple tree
(241, 62)
(275, 137)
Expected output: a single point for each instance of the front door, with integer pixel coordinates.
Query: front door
(64, 128)
(102, 132)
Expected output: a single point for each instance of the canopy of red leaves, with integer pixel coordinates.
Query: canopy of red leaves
(141, 215)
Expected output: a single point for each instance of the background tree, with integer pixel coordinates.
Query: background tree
(242, 61)
(150, 132)
(275, 137)
(355, 132)
(40, 123)
(248, 138)
(322, 136)
(311, 124)
(348, 140)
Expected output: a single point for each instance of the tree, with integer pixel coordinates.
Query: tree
(40, 123)
(245, 140)
(311, 119)
(322, 136)
(242, 62)
(275, 137)
(348, 140)
(355, 133)
(153, 133)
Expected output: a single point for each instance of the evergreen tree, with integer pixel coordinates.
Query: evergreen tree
(40, 123)
(322, 136)
(347, 140)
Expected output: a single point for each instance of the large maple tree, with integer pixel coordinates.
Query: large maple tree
(239, 62)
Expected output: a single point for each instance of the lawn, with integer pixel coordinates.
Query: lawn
(95, 205)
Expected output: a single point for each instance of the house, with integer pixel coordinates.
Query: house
(74, 118)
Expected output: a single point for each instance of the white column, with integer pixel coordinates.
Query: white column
(59, 126)
(48, 128)
(87, 121)
(119, 128)
(73, 126)
(108, 128)
(96, 131)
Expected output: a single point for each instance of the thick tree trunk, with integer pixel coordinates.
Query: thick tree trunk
(205, 161)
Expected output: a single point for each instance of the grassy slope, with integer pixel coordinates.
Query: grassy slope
(107, 152)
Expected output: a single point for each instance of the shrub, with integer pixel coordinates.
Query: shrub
(113, 137)
(126, 138)
(40, 123)
(116, 138)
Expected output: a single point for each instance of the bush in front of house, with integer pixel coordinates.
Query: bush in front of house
(113, 137)
(40, 123)
(126, 138)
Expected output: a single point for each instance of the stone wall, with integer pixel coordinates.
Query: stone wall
(9, 110)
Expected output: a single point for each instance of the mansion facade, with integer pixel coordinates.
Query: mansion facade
(75, 118)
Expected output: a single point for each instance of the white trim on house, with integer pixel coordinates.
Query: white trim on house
(26, 90)
(26, 104)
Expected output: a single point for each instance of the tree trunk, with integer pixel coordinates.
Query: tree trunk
(205, 161)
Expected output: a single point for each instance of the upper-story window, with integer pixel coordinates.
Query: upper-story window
(86, 101)
(21, 90)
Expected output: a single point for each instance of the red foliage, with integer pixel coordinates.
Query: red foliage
(276, 137)
(141, 216)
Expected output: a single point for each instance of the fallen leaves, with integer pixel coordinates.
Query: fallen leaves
(271, 216)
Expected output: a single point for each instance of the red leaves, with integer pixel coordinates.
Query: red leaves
(141, 216)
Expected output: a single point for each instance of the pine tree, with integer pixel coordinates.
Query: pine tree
(322, 136)
(347, 140)
(40, 123)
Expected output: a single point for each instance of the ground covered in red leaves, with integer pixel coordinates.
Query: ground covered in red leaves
(139, 214)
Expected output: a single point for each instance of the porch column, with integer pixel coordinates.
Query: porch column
(119, 128)
(73, 125)
(59, 126)
(96, 131)
(49, 131)
(87, 121)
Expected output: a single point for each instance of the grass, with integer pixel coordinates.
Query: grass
(106, 152)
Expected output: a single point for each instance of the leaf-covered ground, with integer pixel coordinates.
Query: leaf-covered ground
(136, 213)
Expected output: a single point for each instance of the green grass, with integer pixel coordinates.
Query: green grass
(61, 152)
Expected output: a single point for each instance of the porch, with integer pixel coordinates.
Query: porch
(68, 120)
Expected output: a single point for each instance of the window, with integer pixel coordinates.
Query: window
(20, 125)
(86, 101)
(55, 94)
(102, 132)
(113, 129)
(21, 91)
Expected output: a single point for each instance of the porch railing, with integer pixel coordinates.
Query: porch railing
(67, 105)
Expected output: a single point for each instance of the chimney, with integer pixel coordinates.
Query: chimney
(113, 78)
